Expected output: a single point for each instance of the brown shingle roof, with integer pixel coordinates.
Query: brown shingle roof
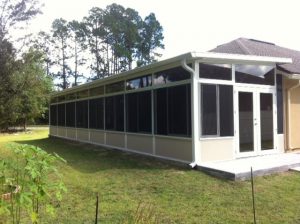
(261, 48)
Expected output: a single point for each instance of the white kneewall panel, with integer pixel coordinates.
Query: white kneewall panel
(217, 149)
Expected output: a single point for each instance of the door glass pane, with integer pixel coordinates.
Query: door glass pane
(246, 122)
(266, 117)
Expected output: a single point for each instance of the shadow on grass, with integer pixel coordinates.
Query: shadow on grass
(90, 158)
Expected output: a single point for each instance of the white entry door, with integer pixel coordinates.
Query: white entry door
(255, 121)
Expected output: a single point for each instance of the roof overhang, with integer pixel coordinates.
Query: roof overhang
(188, 57)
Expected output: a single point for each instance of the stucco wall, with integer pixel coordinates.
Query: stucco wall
(292, 112)
(217, 149)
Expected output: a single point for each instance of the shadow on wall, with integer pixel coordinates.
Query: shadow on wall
(90, 158)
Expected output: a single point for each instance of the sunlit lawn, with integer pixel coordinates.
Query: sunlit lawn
(175, 194)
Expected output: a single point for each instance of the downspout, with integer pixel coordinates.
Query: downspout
(194, 122)
(289, 112)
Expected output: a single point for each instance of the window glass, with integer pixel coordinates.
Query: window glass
(114, 113)
(173, 111)
(70, 111)
(82, 114)
(279, 104)
(171, 75)
(83, 94)
(139, 82)
(215, 71)
(255, 74)
(115, 87)
(53, 115)
(61, 114)
(209, 109)
(71, 96)
(96, 110)
(97, 91)
(226, 110)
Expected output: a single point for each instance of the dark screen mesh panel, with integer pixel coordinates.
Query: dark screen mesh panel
(226, 110)
(144, 112)
(82, 114)
(53, 115)
(209, 109)
(96, 113)
(178, 113)
(173, 111)
(70, 111)
(279, 104)
(132, 112)
(61, 118)
(114, 113)
(161, 119)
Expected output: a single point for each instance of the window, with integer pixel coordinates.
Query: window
(96, 110)
(61, 114)
(97, 91)
(115, 87)
(70, 111)
(215, 71)
(173, 111)
(138, 112)
(139, 82)
(82, 114)
(114, 113)
(255, 74)
(53, 115)
(279, 104)
(171, 75)
(217, 110)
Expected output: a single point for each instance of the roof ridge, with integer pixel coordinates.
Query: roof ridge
(243, 46)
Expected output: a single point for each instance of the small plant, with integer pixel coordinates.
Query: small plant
(33, 172)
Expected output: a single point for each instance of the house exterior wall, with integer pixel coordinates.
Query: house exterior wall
(292, 112)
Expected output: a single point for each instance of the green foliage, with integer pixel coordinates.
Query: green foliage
(30, 169)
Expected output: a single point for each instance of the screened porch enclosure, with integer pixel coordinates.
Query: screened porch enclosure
(206, 110)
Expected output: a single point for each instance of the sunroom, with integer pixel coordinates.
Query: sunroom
(193, 108)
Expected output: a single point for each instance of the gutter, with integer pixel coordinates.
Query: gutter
(289, 112)
(193, 164)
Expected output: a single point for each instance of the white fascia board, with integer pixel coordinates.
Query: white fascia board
(240, 57)
(190, 56)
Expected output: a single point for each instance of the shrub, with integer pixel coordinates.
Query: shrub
(33, 171)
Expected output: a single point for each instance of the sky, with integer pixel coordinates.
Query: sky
(196, 25)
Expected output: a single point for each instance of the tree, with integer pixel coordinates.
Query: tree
(15, 13)
(33, 87)
(61, 34)
(77, 33)
(151, 39)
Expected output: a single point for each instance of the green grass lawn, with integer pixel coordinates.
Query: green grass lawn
(175, 194)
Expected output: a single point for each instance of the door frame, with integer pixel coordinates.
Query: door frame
(255, 90)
